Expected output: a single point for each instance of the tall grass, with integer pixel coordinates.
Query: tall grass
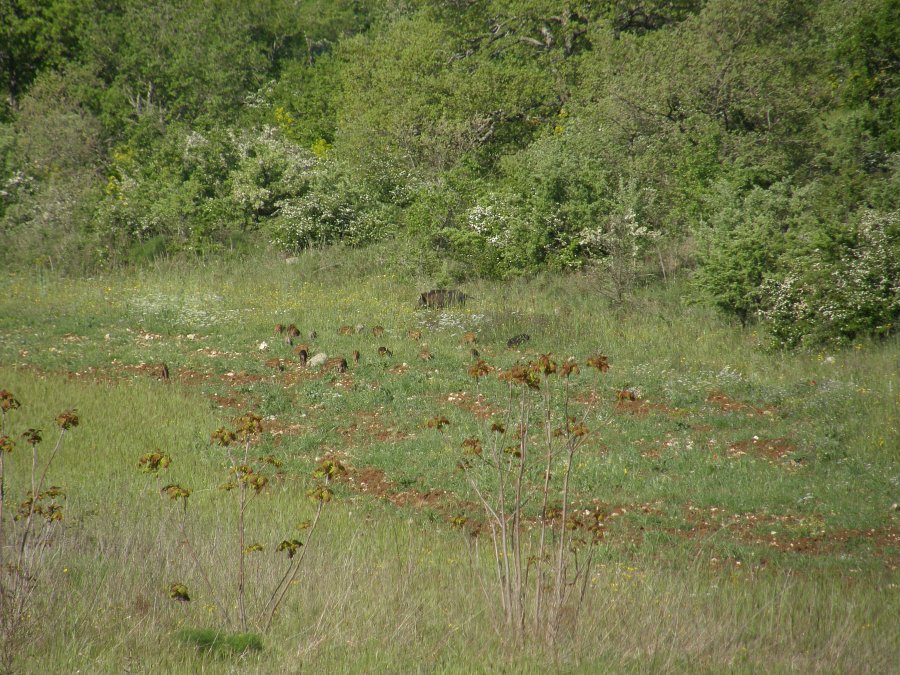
(688, 575)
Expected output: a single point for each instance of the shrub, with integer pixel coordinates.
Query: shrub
(825, 298)
(740, 245)
(337, 208)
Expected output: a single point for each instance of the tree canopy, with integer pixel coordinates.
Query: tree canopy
(497, 137)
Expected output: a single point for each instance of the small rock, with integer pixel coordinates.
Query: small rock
(317, 360)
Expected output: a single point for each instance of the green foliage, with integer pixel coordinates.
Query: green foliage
(835, 296)
(742, 244)
(336, 208)
(491, 138)
(219, 643)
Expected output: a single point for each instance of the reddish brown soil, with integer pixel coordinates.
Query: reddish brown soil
(228, 402)
(477, 405)
(775, 449)
(641, 408)
(727, 404)
(774, 531)
(367, 427)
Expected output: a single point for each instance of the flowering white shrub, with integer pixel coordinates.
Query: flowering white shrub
(334, 209)
(822, 300)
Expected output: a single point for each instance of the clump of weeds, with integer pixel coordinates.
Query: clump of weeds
(542, 559)
(248, 479)
(25, 546)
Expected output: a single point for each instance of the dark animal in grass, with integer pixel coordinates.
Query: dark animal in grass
(475, 354)
(414, 335)
(627, 394)
(279, 329)
(338, 363)
(290, 333)
(164, 373)
(426, 355)
(345, 330)
(303, 355)
(442, 297)
(378, 331)
(469, 338)
(384, 351)
(518, 340)
(356, 357)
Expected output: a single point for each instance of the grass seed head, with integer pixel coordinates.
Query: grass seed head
(330, 469)
(291, 546)
(179, 592)
(66, 420)
(223, 437)
(472, 446)
(154, 462)
(438, 423)
(249, 425)
(32, 436)
(175, 492)
(599, 362)
(570, 367)
(521, 375)
(479, 369)
(8, 401)
(544, 365)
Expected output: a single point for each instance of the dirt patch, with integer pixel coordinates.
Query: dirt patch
(592, 398)
(188, 376)
(242, 377)
(420, 500)
(228, 402)
(791, 533)
(370, 480)
(885, 540)
(477, 405)
(278, 430)
(367, 427)
(641, 408)
(216, 353)
(729, 405)
(775, 449)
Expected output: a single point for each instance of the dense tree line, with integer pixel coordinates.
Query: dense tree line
(494, 137)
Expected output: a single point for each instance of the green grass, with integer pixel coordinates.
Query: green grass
(761, 536)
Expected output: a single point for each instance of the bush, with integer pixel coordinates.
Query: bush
(825, 299)
(337, 208)
(740, 244)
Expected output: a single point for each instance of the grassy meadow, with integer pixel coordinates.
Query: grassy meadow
(746, 499)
